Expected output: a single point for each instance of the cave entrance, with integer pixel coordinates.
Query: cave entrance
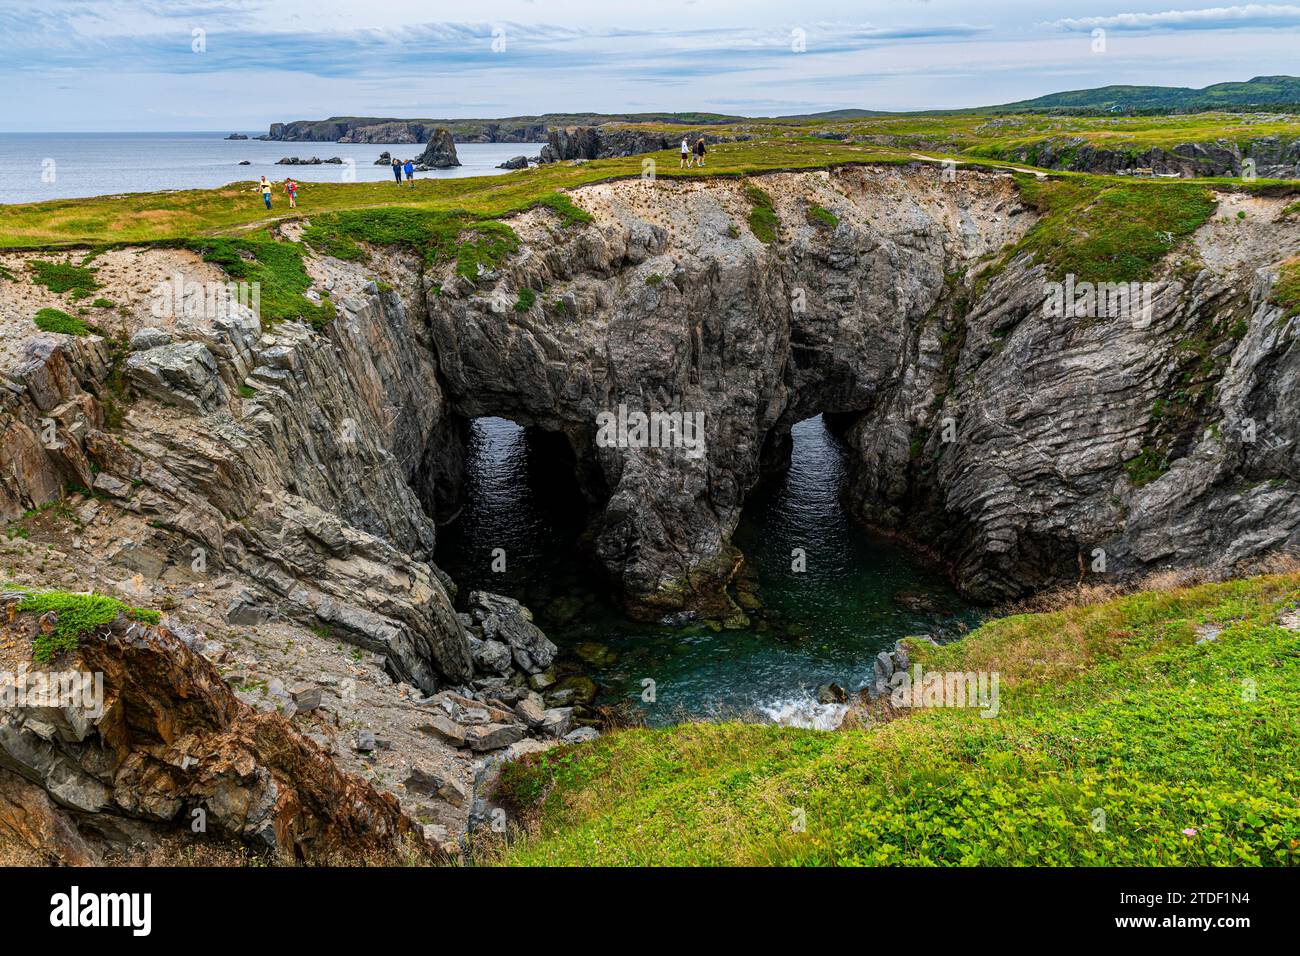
(855, 594)
(521, 518)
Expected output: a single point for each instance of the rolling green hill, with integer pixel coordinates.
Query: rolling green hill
(1256, 93)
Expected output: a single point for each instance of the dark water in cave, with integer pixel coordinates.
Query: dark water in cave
(856, 597)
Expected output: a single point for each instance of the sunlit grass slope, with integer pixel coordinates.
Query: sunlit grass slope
(1120, 739)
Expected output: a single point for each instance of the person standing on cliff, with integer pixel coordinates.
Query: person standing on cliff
(409, 169)
(291, 189)
(686, 154)
(699, 151)
(266, 192)
(397, 170)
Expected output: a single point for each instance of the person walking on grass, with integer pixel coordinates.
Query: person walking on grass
(686, 154)
(266, 192)
(291, 189)
(397, 170)
(409, 169)
(699, 151)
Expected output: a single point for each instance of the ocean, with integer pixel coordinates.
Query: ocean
(40, 166)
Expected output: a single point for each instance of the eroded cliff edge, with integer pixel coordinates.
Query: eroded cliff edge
(1013, 445)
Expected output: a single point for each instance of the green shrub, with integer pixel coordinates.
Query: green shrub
(56, 320)
(763, 222)
(822, 217)
(527, 298)
(61, 277)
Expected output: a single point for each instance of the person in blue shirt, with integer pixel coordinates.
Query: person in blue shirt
(409, 169)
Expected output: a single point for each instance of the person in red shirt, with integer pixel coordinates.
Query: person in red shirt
(291, 188)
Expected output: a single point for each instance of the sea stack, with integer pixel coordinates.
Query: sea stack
(440, 153)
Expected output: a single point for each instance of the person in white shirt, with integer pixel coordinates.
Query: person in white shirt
(686, 154)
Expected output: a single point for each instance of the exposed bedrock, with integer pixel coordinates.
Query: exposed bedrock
(306, 466)
(1023, 451)
(669, 303)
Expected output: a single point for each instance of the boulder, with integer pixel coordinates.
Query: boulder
(183, 374)
(556, 721)
(429, 780)
(530, 710)
(505, 620)
(492, 657)
(831, 693)
(493, 736)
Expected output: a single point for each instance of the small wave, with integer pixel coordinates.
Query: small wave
(804, 712)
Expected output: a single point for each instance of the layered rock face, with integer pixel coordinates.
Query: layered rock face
(162, 745)
(1272, 156)
(309, 464)
(1012, 445)
(602, 142)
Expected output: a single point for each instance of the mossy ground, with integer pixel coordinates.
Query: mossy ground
(1120, 740)
(763, 222)
(1286, 291)
(56, 320)
(77, 615)
(277, 268)
(1110, 230)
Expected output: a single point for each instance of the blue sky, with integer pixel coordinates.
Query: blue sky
(241, 64)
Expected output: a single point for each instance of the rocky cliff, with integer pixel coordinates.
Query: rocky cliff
(1271, 156)
(164, 746)
(1027, 451)
(284, 482)
(605, 142)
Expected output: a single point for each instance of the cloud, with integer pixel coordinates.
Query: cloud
(52, 41)
(1250, 15)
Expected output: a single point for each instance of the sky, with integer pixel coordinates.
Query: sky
(113, 65)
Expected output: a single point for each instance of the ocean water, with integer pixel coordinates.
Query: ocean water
(858, 595)
(39, 166)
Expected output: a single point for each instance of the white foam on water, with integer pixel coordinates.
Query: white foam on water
(804, 712)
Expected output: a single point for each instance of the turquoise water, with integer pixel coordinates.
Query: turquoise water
(856, 597)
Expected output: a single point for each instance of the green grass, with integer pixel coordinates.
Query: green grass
(1116, 732)
(822, 218)
(61, 277)
(56, 320)
(278, 269)
(527, 298)
(763, 222)
(474, 244)
(237, 208)
(1107, 230)
(1286, 291)
(77, 615)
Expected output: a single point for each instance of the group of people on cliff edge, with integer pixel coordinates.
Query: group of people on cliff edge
(290, 189)
(687, 159)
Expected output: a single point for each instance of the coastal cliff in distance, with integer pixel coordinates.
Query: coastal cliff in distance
(513, 129)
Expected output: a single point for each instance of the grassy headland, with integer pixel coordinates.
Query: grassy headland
(1160, 728)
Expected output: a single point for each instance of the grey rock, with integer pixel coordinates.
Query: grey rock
(184, 374)
(505, 620)
(581, 735)
(149, 338)
(492, 736)
(427, 779)
(556, 721)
